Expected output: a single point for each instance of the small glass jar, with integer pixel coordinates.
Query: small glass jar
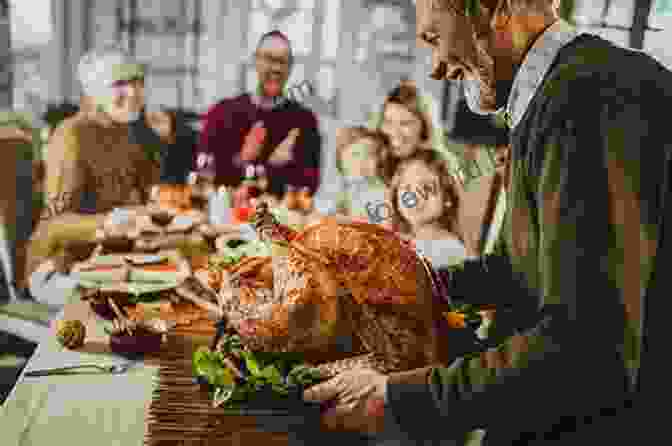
(219, 206)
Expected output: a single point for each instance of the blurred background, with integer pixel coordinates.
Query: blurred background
(199, 51)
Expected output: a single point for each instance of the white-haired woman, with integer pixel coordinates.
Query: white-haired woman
(97, 160)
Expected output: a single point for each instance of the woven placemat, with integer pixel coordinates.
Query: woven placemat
(181, 412)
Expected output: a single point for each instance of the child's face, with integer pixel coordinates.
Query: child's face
(359, 159)
(419, 195)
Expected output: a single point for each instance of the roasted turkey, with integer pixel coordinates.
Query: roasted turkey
(354, 292)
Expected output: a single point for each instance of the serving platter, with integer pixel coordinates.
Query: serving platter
(146, 274)
(145, 259)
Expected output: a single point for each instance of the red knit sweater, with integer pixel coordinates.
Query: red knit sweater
(228, 122)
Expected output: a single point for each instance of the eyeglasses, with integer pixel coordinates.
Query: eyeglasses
(122, 88)
(126, 82)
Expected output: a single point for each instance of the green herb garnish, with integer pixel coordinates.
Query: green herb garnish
(280, 372)
(145, 297)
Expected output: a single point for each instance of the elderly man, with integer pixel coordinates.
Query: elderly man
(582, 247)
(264, 127)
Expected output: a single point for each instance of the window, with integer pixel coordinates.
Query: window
(260, 23)
(617, 36)
(590, 16)
(167, 40)
(325, 82)
(30, 33)
(165, 90)
(30, 22)
(331, 30)
(298, 73)
(656, 43)
(297, 25)
(299, 29)
(620, 12)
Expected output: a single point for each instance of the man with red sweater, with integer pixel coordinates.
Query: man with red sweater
(264, 128)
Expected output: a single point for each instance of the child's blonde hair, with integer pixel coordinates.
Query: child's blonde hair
(349, 135)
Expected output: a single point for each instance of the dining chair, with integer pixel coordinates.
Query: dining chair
(19, 315)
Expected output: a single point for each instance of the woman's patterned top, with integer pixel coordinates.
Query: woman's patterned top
(92, 167)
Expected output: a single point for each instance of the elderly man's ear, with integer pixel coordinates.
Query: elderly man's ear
(163, 123)
(494, 14)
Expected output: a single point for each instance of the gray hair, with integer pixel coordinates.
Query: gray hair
(95, 70)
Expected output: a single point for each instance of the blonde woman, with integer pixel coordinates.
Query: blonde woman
(409, 122)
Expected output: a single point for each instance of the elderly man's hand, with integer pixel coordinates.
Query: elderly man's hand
(358, 401)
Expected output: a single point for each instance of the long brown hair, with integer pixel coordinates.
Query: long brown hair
(451, 187)
(406, 94)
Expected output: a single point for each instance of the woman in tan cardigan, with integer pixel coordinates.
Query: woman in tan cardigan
(93, 165)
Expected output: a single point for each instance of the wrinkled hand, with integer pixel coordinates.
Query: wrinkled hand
(163, 124)
(284, 152)
(358, 397)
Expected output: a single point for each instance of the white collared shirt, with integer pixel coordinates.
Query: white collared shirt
(536, 64)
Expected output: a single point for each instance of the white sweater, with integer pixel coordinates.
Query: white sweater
(442, 252)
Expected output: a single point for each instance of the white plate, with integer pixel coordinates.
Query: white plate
(105, 260)
(148, 259)
(181, 223)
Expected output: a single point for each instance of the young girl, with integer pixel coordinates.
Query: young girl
(359, 156)
(425, 198)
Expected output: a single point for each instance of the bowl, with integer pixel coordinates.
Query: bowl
(162, 218)
(140, 343)
(103, 310)
(117, 244)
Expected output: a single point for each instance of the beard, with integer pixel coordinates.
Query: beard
(489, 90)
(486, 100)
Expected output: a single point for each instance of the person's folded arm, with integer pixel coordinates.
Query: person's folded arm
(65, 173)
(179, 156)
(215, 139)
(157, 133)
(310, 142)
(589, 206)
(61, 221)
